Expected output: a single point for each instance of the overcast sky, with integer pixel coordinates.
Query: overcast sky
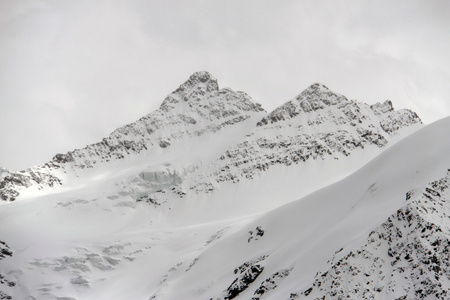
(73, 71)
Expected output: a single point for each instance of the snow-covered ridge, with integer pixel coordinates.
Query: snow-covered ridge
(197, 108)
(315, 97)
(316, 125)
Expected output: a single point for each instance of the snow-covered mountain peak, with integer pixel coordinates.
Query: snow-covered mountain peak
(200, 81)
(318, 86)
(200, 96)
(318, 95)
(199, 86)
(316, 89)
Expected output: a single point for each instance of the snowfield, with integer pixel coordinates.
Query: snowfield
(364, 214)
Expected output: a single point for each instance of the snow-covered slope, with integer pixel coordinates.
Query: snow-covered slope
(390, 217)
(383, 230)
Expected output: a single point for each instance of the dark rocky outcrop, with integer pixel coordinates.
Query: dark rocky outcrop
(406, 257)
(5, 252)
(246, 275)
(243, 281)
(270, 283)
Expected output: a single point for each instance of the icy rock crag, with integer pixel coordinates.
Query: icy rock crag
(406, 257)
(198, 107)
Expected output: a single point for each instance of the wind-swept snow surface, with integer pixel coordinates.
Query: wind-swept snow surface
(224, 201)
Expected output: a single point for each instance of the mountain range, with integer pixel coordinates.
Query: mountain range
(212, 197)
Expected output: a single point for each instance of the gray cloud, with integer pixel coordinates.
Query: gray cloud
(73, 71)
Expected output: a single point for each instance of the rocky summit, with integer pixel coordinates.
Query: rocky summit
(212, 197)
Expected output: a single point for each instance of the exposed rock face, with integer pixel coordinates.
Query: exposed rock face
(382, 108)
(12, 183)
(5, 252)
(196, 108)
(270, 283)
(247, 273)
(406, 257)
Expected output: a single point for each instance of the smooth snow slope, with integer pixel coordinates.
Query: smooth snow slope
(98, 243)
(301, 236)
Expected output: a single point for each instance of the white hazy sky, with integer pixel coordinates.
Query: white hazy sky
(73, 71)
